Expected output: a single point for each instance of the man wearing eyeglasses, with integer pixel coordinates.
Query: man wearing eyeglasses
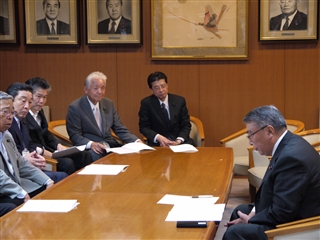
(163, 117)
(290, 188)
(291, 18)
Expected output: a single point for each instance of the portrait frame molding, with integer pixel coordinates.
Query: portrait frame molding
(267, 35)
(92, 20)
(31, 36)
(237, 52)
(13, 24)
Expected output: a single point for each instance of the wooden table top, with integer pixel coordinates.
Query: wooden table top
(125, 206)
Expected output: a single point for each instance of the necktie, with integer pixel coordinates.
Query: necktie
(6, 158)
(97, 117)
(165, 112)
(53, 31)
(286, 24)
(113, 27)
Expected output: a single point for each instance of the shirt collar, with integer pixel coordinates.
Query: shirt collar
(278, 142)
(91, 104)
(165, 101)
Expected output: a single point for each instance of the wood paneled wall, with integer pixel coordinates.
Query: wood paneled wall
(220, 93)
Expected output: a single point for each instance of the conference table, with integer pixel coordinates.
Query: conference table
(124, 206)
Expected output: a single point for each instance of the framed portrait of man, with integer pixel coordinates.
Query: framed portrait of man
(51, 21)
(288, 20)
(9, 22)
(113, 21)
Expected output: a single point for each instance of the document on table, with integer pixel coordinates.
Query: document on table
(188, 148)
(68, 151)
(176, 199)
(134, 147)
(53, 206)
(103, 169)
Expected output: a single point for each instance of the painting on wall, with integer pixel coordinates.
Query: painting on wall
(203, 30)
(9, 22)
(288, 20)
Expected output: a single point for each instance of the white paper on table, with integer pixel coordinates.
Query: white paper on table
(188, 148)
(204, 212)
(134, 147)
(57, 206)
(176, 199)
(103, 169)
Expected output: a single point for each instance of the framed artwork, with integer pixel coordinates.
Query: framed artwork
(51, 22)
(288, 20)
(9, 22)
(199, 30)
(113, 21)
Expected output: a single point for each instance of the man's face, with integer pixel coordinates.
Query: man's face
(160, 89)
(51, 9)
(39, 99)
(6, 114)
(22, 103)
(96, 90)
(114, 9)
(288, 7)
(261, 139)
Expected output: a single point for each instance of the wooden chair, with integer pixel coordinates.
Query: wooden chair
(52, 164)
(308, 228)
(197, 131)
(240, 144)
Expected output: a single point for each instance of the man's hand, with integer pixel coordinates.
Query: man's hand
(243, 218)
(98, 148)
(50, 183)
(26, 197)
(60, 147)
(36, 160)
(165, 142)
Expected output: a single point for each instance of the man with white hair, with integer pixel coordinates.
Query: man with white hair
(91, 118)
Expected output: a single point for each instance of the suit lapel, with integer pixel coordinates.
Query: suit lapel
(89, 112)
(10, 146)
(156, 105)
(36, 126)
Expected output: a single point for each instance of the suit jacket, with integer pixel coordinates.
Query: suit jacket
(43, 28)
(4, 26)
(40, 135)
(290, 189)
(123, 28)
(21, 138)
(82, 126)
(8, 187)
(26, 175)
(299, 22)
(152, 121)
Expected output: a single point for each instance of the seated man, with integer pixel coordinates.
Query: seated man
(40, 135)
(163, 117)
(22, 98)
(290, 188)
(91, 118)
(30, 178)
(11, 194)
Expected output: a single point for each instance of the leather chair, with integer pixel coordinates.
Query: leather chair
(197, 131)
(240, 144)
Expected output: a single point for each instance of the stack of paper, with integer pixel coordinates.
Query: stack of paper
(188, 148)
(56, 206)
(103, 169)
(134, 147)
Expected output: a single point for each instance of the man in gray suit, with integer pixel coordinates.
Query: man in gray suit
(30, 178)
(290, 189)
(90, 119)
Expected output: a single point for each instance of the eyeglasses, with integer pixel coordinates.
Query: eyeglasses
(251, 135)
(7, 112)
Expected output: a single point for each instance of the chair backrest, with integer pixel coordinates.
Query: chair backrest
(46, 111)
(295, 126)
(312, 135)
(59, 130)
(197, 131)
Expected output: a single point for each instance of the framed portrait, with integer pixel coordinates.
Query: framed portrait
(199, 30)
(288, 20)
(51, 22)
(9, 22)
(113, 21)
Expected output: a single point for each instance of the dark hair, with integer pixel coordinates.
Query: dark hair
(108, 1)
(266, 115)
(44, 2)
(14, 88)
(38, 82)
(156, 76)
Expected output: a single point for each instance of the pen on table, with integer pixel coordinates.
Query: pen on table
(202, 196)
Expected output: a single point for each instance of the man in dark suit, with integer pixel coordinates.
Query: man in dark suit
(50, 24)
(116, 24)
(40, 135)
(22, 97)
(290, 189)
(4, 26)
(91, 118)
(163, 117)
(290, 19)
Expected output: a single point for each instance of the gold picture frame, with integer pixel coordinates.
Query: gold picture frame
(128, 29)
(303, 25)
(191, 30)
(9, 31)
(37, 25)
